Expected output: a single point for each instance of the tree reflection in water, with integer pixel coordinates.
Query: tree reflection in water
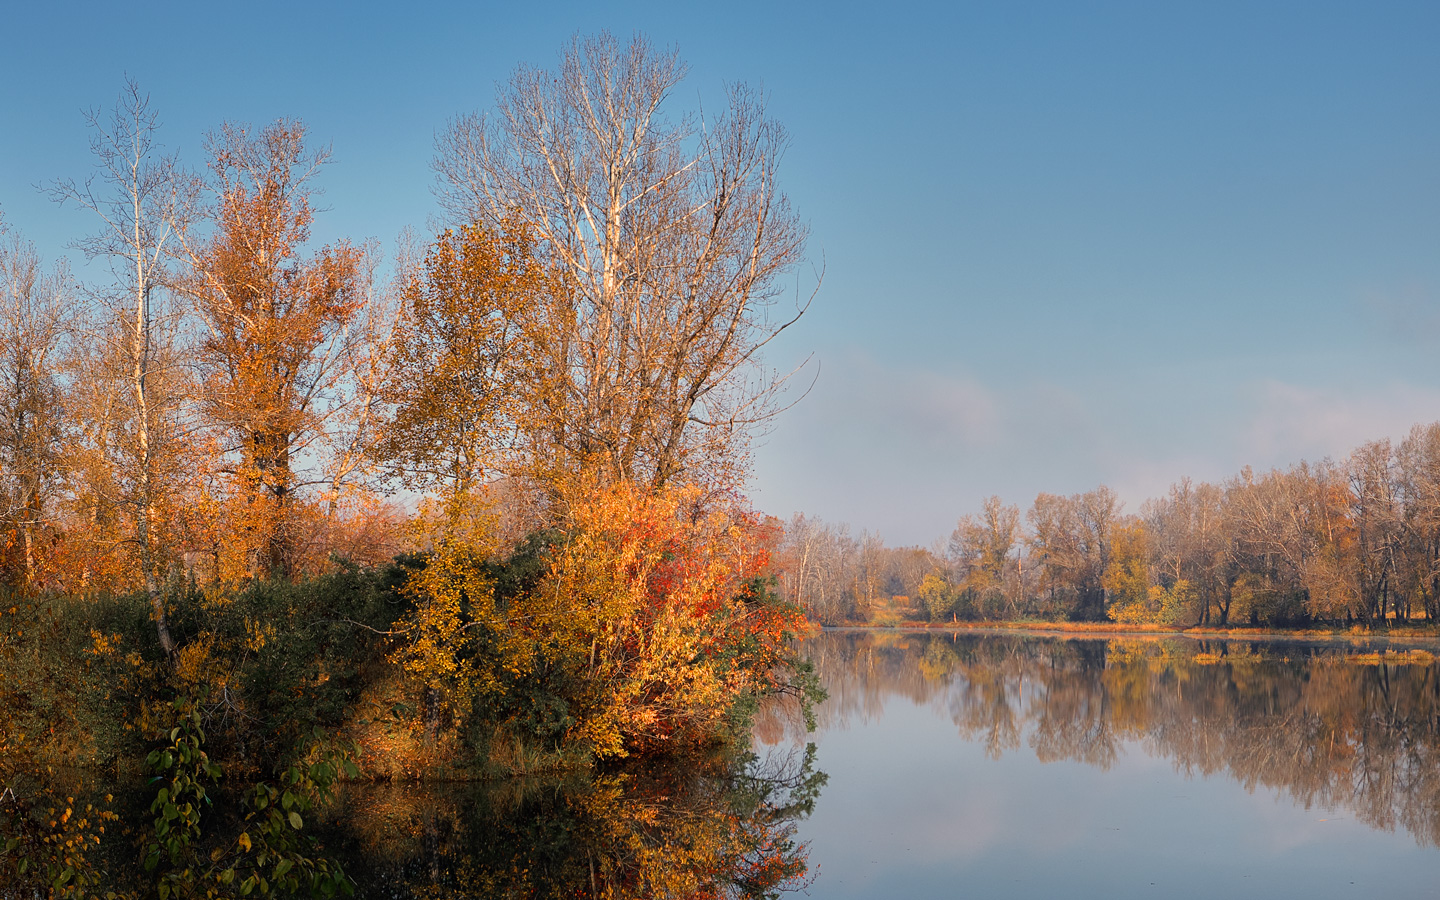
(1335, 725)
(718, 827)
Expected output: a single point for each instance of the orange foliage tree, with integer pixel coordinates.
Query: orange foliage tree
(460, 361)
(654, 613)
(276, 337)
(664, 603)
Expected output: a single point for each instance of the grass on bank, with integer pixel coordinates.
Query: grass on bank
(1394, 631)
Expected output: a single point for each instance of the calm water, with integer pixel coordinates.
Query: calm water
(978, 765)
(994, 765)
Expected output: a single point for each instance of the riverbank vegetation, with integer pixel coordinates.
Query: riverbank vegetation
(1353, 544)
(270, 521)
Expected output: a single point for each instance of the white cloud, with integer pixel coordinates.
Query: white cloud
(1291, 422)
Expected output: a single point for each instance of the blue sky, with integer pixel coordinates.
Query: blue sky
(1064, 244)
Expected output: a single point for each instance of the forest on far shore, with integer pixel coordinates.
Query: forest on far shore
(1353, 542)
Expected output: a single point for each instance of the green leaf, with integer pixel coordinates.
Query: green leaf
(285, 866)
(295, 821)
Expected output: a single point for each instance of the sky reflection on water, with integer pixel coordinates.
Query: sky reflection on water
(1171, 769)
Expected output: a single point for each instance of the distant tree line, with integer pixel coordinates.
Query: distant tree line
(1354, 541)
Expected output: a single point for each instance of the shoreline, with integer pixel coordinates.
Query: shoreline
(1403, 633)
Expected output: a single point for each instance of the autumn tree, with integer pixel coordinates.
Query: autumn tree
(642, 632)
(980, 549)
(137, 375)
(1373, 527)
(1129, 594)
(276, 348)
(1189, 542)
(38, 315)
(1287, 527)
(662, 600)
(1071, 540)
(670, 238)
(462, 365)
(816, 566)
(1418, 485)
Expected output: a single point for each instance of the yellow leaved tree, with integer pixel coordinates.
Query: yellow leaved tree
(644, 626)
(1127, 577)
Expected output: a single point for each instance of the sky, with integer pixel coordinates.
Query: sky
(1063, 245)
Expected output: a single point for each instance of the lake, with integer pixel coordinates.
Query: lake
(1014, 765)
(979, 764)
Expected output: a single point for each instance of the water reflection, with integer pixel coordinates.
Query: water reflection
(1332, 725)
(718, 827)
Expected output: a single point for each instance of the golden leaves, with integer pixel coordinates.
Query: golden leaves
(648, 608)
(462, 362)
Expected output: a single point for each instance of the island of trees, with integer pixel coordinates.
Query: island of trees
(215, 596)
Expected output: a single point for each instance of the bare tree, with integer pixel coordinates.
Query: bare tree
(145, 202)
(980, 551)
(1418, 475)
(1291, 547)
(1373, 537)
(1189, 542)
(1071, 541)
(671, 237)
(819, 566)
